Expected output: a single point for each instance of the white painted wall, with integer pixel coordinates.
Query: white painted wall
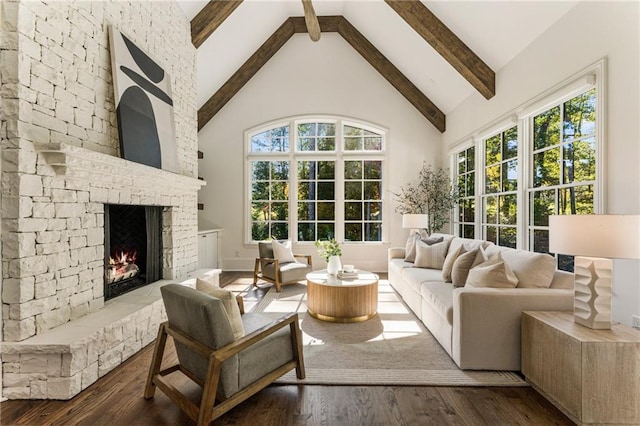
(327, 77)
(589, 32)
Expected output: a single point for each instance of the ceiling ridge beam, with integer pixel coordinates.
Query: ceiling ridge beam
(210, 18)
(392, 74)
(447, 44)
(245, 72)
(352, 36)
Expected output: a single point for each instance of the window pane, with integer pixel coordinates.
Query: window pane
(492, 150)
(373, 144)
(279, 191)
(280, 211)
(275, 140)
(510, 143)
(507, 237)
(576, 200)
(280, 230)
(508, 209)
(565, 262)
(510, 175)
(259, 231)
(471, 159)
(353, 232)
(326, 144)
(491, 234)
(260, 191)
(307, 129)
(462, 162)
(260, 211)
(326, 129)
(260, 170)
(546, 168)
(326, 169)
(373, 169)
(326, 211)
(352, 144)
(306, 170)
(373, 232)
(306, 144)
(353, 170)
(546, 129)
(492, 179)
(579, 160)
(352, 131)
(373, 211)
(307, 191)
(543, 204)
(580, 116)
(541, 240)
(280, 170)
(491, 210)
(470, 184)
(372, 190)
(469, 210)
(306, 211)
(326, 191)
(353, 211)
(326, 231)
(353, 190)
(468, 231)
(306, 231)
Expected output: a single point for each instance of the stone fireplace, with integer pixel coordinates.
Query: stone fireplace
(61, 175)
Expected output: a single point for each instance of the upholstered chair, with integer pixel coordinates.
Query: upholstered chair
(228, 370)
(268, 268)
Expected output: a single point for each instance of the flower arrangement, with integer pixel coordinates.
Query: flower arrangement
(328, 248)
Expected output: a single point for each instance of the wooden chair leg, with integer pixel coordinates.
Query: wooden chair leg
(156, 362)
(209, 392)
(296, 343)
(256, 268)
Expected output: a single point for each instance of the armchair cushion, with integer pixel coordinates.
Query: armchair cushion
(228, 302)
(293, 271)
(282, 252)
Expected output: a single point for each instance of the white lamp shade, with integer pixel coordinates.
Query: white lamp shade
(605, 236)
(415, 221)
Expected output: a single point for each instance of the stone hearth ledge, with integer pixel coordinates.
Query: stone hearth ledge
(65, 360)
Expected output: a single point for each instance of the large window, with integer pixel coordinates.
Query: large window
(500, 198)
(466, 177)
(325, 181)
(546, 164)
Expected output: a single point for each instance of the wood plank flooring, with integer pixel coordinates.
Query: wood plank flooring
(116, 399)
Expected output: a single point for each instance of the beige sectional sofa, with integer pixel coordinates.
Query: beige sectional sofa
(480, 326)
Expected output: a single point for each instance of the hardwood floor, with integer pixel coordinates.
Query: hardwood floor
(116, 399)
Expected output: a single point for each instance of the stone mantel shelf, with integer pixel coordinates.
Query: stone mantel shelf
(77, 162)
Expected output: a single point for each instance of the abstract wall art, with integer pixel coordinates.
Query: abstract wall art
(144, 105)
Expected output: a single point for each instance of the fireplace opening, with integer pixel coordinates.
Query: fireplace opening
(133, 247)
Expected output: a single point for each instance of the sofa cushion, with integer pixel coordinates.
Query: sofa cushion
(397, 265)
(410, 247)
(431, 256)
(495, 272)
(469, 258)
(439, 296)
(532, 269)
(414, 277)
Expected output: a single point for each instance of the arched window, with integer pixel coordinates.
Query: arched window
(315, 178)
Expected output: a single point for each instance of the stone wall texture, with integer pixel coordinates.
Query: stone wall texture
(60, 163)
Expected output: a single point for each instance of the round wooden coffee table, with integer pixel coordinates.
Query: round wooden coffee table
(342, 300)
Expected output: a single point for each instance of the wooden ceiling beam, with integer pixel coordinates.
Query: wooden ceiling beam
(343, 27)
(393, 75)
(447, 44)
(210, 18)
(245, 72)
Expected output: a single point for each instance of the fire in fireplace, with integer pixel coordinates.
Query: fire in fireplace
(133, 247)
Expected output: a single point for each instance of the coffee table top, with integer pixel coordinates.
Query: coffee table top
(321, 277)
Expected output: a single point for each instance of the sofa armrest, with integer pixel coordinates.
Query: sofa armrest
(486, 323)
(396, 253)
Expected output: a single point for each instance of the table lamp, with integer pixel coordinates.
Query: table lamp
(419, 222)
(594, 240)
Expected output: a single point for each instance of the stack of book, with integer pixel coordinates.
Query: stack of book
(344, 275)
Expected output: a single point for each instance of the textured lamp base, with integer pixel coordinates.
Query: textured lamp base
(592, 303)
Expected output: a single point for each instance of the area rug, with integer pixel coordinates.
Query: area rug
(393, 348)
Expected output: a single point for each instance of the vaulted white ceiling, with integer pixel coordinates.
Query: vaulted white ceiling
(496, 31)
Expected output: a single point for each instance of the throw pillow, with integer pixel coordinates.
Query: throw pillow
(447, 267)
(431, 256)
(463, 264)
(282, 252)
(410, 247)
(228, 301)
(492, 273)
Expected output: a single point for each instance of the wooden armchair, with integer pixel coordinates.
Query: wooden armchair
(270, 269)
(228, 371)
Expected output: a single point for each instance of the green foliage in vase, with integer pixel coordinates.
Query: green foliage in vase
(433, 194)
(328, 248)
